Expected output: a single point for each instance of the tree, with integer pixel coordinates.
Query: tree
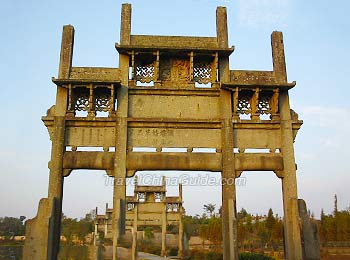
(335, 204)
(148, 232)
(270, 220)
(209, 208)
(212, 231)
(10, 226)
(68, 228)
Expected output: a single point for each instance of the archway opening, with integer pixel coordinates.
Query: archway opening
(260, 213)
(85, 194)
(201, 196)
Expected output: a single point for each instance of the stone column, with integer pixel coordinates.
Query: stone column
(229, 223)
(95, 234)
(292, 238)
(119, 196)
(134, 253)
(181, 233)
(43, 231)
(164, 226)
(106, 228)
(56, 187)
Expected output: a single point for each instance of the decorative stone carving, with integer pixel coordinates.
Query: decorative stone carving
(144, 72)
(180, 70)
(102, 99)
(202, 72)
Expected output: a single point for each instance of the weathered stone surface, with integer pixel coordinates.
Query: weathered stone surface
(169, 92)
(309, 234)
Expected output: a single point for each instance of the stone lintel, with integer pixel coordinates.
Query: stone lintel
(89, 160)
(127, 49)
(95, 73)
(178, 91)
(258, 162)
(82, 121)
(174, 161)
(142, 188)
(253, 78)
(65, 82)
(173, 123)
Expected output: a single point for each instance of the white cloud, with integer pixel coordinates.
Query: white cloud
(325, 117)
(264, 12)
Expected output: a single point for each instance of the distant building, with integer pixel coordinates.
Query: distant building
(149, 206)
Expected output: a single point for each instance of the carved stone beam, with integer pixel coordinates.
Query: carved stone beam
(254, 101)
(156, 67)
(91, 112)
(238, 173)
(215, 67)
(279, 174)
(110, 173)
(70, 109)
(274, 105)
(133, 65)
(67, 172)
(130, 173)
(235, 93)
(191, 66)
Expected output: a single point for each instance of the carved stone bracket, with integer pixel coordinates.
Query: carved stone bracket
(67, 172)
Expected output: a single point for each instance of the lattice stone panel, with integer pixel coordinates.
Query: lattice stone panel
(81, 99)
(244, 106)
(264, 105)
(102, 98)
(158, 196)
(172, 207)
(130, 206)
(202, 72)
(141, 196)
(145, 72)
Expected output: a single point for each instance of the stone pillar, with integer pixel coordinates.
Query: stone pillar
(56, 187)
(106, 228)
(181, 233)
(119, 196)
(134, 253)
(125, 24)
(164, 226)
(229, 223)
(309, 234)
(43, 232)
(289, 183)
(95, 252)
(95, 234)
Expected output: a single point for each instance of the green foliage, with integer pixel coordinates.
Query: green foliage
(149, 247)
(212, 231)
(11, 252)
(199, 255)
(192, 224)
(148, 231)
(76, 229)
(209, 208)
(335, 227)
(253, 256)
(68, 252)
(173, 251)
(10, 226)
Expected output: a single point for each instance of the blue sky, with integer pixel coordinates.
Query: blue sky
(317, 40)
